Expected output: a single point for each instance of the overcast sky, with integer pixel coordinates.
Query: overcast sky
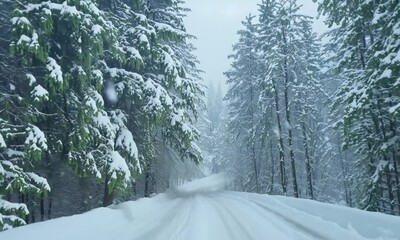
(215, 23)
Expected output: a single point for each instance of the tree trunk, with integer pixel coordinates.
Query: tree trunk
(386, 157)
(272, 167)
(49, 208)
(395, 161)
(351, 199)
(255, 169)
(42, 207)
(383, 204)
(308, 163)
(85, 194)
(396, 175)
(287, 109)
(281, 147)
(148, 183)
(345, 185)
(32, 213)
(108, 194)
(252, 141)
(390, 190)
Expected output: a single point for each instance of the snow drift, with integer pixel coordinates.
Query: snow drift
(203, 210)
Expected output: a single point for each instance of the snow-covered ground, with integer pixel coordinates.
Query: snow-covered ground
(204, 210)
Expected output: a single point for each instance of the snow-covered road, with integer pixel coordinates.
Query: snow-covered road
(202, 210)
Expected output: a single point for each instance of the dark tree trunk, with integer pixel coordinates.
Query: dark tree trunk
(383, 204)
(108, 194)
(134, 188)
(281, 147)
(85, 193)
(272, 166)
(395, 161)
(252, 141)
(148, 183)
(345, 184)
(255, 169)
(308, 163)
(390, 191)
(386, 157)
(49, 207)
(42, 212)
(397, 187)
(287, 109)
(30, 202)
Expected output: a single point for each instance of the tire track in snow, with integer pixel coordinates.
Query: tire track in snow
(339, 232)
(312, 233)
(304, 229)
(206, 221)
(183, 221)
(170, 217)
(230, 216)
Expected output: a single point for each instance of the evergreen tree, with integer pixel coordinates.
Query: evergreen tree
(179, 66)
(268, 39)
(214, 105)
(306, 90)
(214, 133)
(178, 74)
(242, 98)
(63, 44)
(366, 96)
(94, 93)
(22, 143)
(289, 52)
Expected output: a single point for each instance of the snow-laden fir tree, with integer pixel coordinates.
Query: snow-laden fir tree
(62, 43)
(212, 124)
(242, 98)
(365, 34)
(308, 98)
(178, 74)
(384, 77)
(276, 103)
(287, 48)
(270, 90)
(156, 80)
(93, 93)
(21, 142)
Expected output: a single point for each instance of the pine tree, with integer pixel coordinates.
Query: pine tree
(268, 39)
(365, 96)
(93, 93)
(214, 105)
(385, 63)
(181, 81)
(288, 45)
(21, 143)
(242, 97)
(306, 90)
(214, 132)
(178, 74)
(63, 44)
(156, 79)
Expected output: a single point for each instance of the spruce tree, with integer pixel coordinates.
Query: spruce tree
(156, 79)
(287, 47)
(63, 43)
(242, 98)
(267, 41)
(22, 143)
(367, 94)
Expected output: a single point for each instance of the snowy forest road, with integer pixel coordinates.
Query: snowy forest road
(203, 210)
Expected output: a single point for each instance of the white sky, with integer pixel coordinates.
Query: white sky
(215, 23)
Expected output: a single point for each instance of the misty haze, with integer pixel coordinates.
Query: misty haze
(199, 119)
